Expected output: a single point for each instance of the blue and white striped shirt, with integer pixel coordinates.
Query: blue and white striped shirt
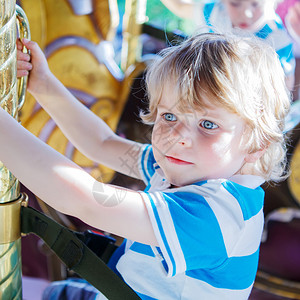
(208, 233)
(213, 16)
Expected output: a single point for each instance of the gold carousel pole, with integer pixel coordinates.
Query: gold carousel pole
(134, 17)
(12, 94)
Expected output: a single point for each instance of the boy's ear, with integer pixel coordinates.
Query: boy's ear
(254, 156)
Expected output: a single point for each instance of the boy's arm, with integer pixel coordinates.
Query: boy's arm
(181, 8)
(290, 81)
(87, 132)
(68, 188)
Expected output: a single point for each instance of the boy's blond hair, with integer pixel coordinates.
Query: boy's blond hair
(242, 75)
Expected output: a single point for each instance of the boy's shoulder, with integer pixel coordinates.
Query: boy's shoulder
(241, 195)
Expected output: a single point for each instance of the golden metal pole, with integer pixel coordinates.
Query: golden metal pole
(134, 17)
(10, 201)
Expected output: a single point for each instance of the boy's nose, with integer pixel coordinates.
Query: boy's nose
(186, 142)
(181, 135)
(248, 13)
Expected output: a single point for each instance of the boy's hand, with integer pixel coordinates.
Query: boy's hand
(293, 17)
(35, 65)
(23, 61)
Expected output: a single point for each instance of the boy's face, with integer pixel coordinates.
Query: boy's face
(197, 145)
(245, 14)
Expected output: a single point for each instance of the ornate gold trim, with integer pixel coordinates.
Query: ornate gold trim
(10, 218)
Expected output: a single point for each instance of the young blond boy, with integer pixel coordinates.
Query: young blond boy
(256, 17)
(218, 106)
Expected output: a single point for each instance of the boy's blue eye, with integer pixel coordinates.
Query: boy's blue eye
(235, 4)
(169, 117)
(208, 125)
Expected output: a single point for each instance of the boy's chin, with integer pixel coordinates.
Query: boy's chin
(175, 182)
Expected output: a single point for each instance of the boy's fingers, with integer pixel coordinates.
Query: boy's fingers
(297, 9)
(22, 73)
(23, 65)
(291, 15)
(30, 45)
(23, 56)
(297, 6)
(294, 19)
(19, 45)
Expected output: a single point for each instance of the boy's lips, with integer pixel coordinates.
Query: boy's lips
(178, 161)
(243, 25)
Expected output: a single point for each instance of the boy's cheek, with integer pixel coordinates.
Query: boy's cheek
(160, 135)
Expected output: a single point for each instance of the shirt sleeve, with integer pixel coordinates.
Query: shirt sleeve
(146, 163)
(187, 231)
(287, 59)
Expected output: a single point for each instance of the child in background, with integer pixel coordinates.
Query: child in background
(218, 105)
(257, 17)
